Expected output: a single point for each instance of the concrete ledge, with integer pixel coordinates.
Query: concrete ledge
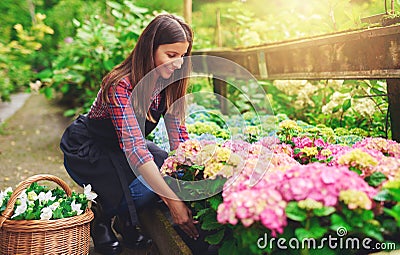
(158, 226)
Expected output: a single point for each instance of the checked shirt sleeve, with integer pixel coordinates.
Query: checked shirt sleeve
(130, 136)
(176, 132)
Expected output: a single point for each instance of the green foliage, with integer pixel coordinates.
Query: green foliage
(62, 14)
(390, 195)
(17, 12)
(242, 24)
(201, 89)
(247, 96)
(172, 6)
(97, 47)
(17, 57)
(376, 179)
(245, 23)
(359, 106)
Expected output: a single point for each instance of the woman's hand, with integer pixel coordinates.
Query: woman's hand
(182, 216)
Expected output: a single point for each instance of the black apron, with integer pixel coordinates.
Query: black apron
(93, 155)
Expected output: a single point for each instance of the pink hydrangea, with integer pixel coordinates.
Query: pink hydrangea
(307, 150)
(169, 166)
(187, 151)
(338, 149)
(366, 160)
(282, 159)
(320, 143)
(389, 166)
(321, 183)
(269, 142)
(284, 148)
(266, 200)
(301, 142)
(387, 147)
(237, 145)
(248, 204)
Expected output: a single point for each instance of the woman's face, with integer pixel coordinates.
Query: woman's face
(169, 57)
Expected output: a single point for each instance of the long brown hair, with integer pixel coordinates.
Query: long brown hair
(163, 29)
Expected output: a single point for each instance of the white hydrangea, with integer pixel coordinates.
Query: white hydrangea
(290, 87)
(364, 106)
(302, 89)
(335, 84)
(336, 99)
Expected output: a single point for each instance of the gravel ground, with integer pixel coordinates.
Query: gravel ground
(29, 142)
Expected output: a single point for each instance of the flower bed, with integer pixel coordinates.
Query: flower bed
(302, 183)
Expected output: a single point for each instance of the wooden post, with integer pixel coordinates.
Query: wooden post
(392, 7)
(219, 31)
(220, 88)
(31, 7)
(187, 11)
(393, 88)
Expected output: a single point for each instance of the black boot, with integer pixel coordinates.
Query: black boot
(132, 237)
(104, 239)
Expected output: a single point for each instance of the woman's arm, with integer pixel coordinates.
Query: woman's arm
(176, 131)
(133, 144)
(180, 213)
(126, 125)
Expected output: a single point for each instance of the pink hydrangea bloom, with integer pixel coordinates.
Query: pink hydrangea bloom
(389, 166)
(187, 151)
(301, 142)
(269, 142)
(321, 183)
(320, 143)
(284, 148)
(237, 145)
(388, 147)
(266, 200)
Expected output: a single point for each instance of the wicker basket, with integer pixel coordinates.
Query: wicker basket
(61, 236)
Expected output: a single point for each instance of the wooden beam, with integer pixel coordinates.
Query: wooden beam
(363, 54)
(373, 19)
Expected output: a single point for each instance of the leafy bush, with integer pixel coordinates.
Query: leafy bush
(17, 57)
(338, 104)
(97, 47)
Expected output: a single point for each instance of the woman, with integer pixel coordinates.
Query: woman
(104, 146)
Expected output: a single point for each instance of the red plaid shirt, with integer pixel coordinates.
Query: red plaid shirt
(131, 139)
